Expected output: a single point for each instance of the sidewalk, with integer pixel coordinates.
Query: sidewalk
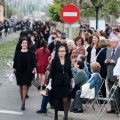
(85, 116)
(10, 37)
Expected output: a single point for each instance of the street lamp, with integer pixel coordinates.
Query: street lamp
(96, 5)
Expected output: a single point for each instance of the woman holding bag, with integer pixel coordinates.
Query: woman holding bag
(95, 82)
(61, 78)
(24, 64)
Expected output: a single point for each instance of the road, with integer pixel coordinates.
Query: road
(10, 102)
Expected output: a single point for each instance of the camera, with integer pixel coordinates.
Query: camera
(108, 61)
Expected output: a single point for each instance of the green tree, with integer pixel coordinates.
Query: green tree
(95, 2)
(107, 8)
(54, 12)
(112, 8)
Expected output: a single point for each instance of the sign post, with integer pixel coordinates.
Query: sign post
(70, 14)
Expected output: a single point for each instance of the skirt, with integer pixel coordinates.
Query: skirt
(60, 91)
(24, 78)
(41, 69)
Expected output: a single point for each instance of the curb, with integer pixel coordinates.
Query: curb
(50, 113)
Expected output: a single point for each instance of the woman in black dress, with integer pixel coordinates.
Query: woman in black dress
(61, 78)
(24, 64)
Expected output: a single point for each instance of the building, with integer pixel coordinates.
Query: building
(1, 12)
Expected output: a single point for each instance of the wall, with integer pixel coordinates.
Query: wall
(1, 12)
(61, 27)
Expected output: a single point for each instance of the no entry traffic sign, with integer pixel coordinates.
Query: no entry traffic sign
(70, 14)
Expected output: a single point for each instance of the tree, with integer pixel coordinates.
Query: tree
(54, 10)
(107, 8)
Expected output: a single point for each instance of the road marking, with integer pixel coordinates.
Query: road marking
(70, 14)
(11, 112)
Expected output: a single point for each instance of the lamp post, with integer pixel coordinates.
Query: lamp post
(96, 4)
(97, 9)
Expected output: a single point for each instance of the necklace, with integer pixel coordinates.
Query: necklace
(62, 68)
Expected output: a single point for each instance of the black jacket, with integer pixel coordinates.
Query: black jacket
(101, 59)
(59, 75)
(51, 47)
(31, 62)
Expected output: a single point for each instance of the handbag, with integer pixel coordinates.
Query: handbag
(87, 92)
(12, 79)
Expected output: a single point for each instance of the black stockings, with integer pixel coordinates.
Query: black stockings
(65, 106)
(23, 93)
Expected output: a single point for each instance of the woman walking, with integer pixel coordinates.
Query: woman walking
(60, 78)
(24, 64)
(42, 55)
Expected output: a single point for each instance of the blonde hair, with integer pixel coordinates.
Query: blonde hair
(108, 42)
(95, 67)
(103, 43)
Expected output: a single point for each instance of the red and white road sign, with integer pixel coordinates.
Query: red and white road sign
(70, 14)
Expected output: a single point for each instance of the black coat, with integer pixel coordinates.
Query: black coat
(30, 61)
(89, 49)
(51, 47)
(101, 59)
(58, 75)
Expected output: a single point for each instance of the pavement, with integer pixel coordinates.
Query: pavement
(10, 102)
(9, 37)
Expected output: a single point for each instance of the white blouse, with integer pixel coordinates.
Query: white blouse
(116, 70)
(93, 55)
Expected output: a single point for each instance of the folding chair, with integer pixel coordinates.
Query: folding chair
(110, 97)
(96, 100)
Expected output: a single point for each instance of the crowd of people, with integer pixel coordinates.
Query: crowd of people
(63, 66)
(12, 25)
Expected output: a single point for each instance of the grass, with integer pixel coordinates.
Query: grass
(7, 52)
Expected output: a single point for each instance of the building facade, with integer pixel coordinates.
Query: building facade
(1, 12)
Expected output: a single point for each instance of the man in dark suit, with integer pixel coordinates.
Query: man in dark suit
(111, 59)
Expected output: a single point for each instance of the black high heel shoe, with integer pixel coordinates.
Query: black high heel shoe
(23, 107)
(39, 87)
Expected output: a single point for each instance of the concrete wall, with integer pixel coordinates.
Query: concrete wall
(1, 12)
(62, 28)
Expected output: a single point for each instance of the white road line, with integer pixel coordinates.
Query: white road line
(70, 14)
(11, 112)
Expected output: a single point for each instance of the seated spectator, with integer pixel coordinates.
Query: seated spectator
(80, 77)
(82, 58)
(95, 82)
(45, 100)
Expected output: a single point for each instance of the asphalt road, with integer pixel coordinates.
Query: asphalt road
(10, 103)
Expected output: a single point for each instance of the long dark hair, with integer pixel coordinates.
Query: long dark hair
(43, 44)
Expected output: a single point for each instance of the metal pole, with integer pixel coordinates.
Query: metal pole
(70, 32)
(97, 9)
